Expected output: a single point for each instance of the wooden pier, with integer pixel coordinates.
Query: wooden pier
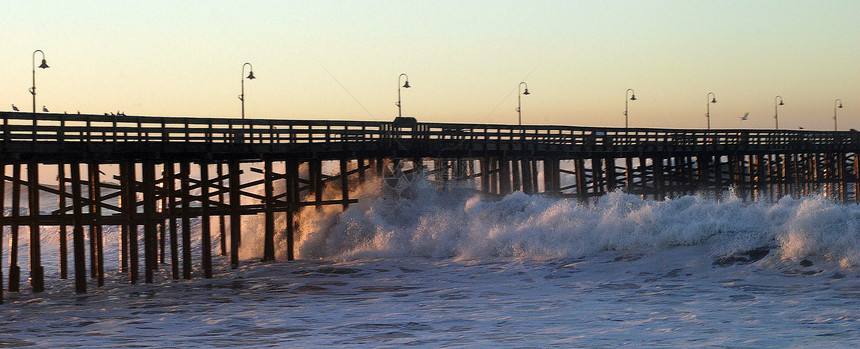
(151, 176)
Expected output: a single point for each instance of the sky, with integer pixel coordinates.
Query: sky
(465, 59)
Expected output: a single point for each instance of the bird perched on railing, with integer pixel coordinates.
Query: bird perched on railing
(44, 109)
(14, 108)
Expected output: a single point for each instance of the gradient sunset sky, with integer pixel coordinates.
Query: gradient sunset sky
(465, 59)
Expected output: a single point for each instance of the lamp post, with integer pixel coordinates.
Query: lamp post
(44, 65)
(712, 98)
(249, 77)
(626, 102)
(835, 108)
(777, 101)
(405, 85)
(520, 101)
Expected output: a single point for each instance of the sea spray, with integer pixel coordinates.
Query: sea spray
(464, 224)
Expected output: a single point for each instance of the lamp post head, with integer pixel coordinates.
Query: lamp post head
(44, 64)
(251, 76)
(714, 100)
(526, 92)
(840, 105)
(781, 102)
(633, 97)
(406, 85)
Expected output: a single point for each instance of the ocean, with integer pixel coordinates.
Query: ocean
(432, 268)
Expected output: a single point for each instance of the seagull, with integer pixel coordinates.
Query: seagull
(800, 127)
(14, 108)
(746, 116)
(44, 109)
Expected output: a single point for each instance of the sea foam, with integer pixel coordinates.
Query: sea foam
(463, 224)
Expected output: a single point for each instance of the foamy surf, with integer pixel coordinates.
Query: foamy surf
(461, 224)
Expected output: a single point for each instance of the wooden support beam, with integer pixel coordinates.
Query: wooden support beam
(62, 232)
(579, 171)
(78, 230)
(150, 232)
(597, 180)
(269, 234)
(528, 182)
(292, 198)
(611, 179)
(504, 176)
(344, 183)
(37, 273)
(494, 177)
(485, 175)
(3, 215)
(235, 217)
(170, 208)
(517, 176)
(316, 180)
(14, 269)
(184, 172)
(628, 174)
(205, 222)
(96, 233)
(659, 176)
(221, 219)
(129, 228)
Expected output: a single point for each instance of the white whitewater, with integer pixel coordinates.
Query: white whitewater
(432, 268)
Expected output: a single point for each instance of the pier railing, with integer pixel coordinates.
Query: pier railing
(61, 128)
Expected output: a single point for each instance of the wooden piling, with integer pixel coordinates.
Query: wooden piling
(171, 209)
(504, 176)
(205, 222)
(2, 216)
(292, 172)
(344, 183)
(14, 269)
(79, 250)
(269, 214)
(150, 232)
(37, 273)
(96, 238)
(133, 217)
(62, 232)
(219, 167)
(235, 216)
(185, 192)
(517, 177)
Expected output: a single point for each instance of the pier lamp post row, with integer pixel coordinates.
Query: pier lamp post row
(44, 65)
(627, 100)
(405, 85)
(712, 98)
(520, 101)
(777, 101)
(249, 77)
(837, 104)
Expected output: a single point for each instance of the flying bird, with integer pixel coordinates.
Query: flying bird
(14, 108)
(746, 116)
(44, 109)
